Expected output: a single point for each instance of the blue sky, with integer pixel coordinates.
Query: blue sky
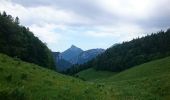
(89, 23)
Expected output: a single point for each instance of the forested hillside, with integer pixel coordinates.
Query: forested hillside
(135, 52)
(128, 54)
(17, 41)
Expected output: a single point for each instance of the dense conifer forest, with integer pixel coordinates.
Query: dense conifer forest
(18, 41)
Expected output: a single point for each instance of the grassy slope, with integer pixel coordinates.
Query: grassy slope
(152, 69)
(144, 82)
(93, 75)
(20, 80)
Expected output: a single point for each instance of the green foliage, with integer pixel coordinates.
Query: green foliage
(17, 41)
(8, 78)
(128, 54)
(24, 76)
(12, 94)
(77, 68)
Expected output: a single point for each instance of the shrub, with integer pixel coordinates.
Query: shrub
(34, 68)
(24, 76)
(3, 60)
(18, 94)
(1, 69)
(87, 90)
(100, 85)
(8, 77)
(14, 94)
(72, 80)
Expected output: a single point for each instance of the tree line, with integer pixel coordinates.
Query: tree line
(18, 41)
(125, 55)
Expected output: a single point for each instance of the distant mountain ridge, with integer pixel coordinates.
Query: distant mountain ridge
(74, 55)
(70, 53)
(86, 56)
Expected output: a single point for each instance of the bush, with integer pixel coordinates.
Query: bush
(24, 76)
(13, 94)
(87, 90)
(18, 94)
(1, 69)
(3, 60)
(8, 77)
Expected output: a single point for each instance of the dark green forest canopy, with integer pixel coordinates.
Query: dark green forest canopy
(128, 54)
(17, 41)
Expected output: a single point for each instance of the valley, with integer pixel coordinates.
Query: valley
(138, 69)
(73, 56)
(24, 81)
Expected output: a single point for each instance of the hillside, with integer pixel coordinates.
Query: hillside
(125, 55)
(155, 68)
(144, 82)
(150, 69)
(24, 81)
(18, 41)
(94, 75)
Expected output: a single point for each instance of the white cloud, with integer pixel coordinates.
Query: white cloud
(41, 14)
(128, 8)
(46, 33)
(120, 31)
(98, 34)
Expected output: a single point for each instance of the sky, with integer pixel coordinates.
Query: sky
(89, 24)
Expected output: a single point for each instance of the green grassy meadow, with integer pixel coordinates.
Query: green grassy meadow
(149, 81)
(25, 81)
(93, 75)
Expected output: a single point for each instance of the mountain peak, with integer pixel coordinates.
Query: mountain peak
(71, 52)
(73, 46)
